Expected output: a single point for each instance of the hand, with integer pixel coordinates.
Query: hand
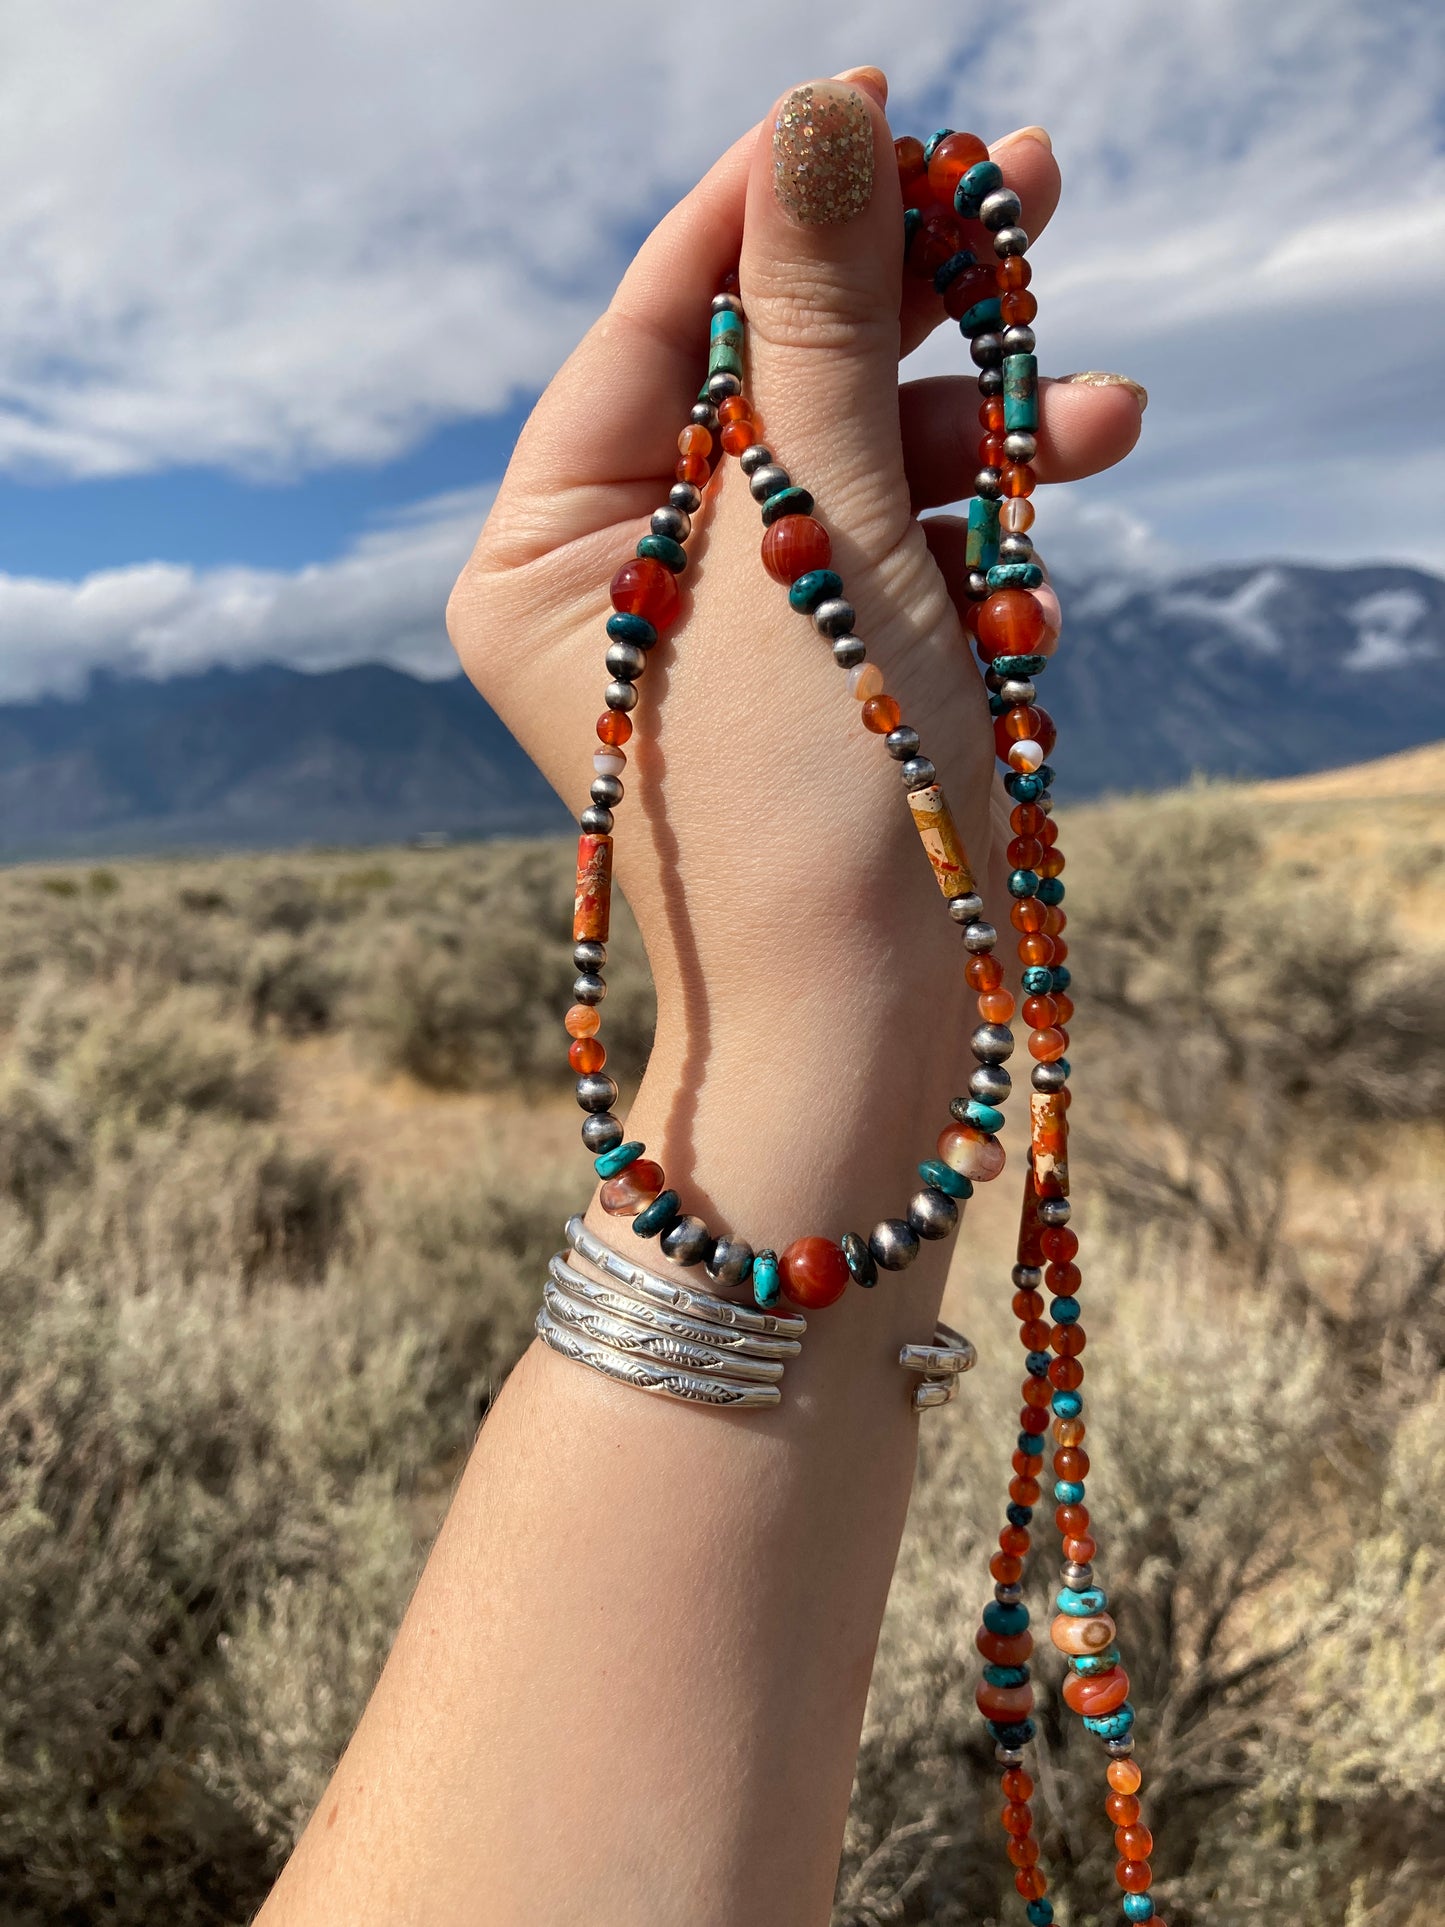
(797, 938)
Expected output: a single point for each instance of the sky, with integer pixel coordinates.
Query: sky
(282, 278)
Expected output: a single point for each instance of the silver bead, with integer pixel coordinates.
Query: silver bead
(918, 773)
(1018, 340)
(589, 955)
(966, 909)
(1027, 1277)
(1009, 1755)
(625, 660)
(990, 1084)
(722, 387)
(986, 349)
(975, 583)
(588, 988)
(901, 743)
(601, 1131)
(704, 415)
(849, 651)
(1050, 1077)
(988, 484)
(606, 790)
(1055, 1211)
(835, 617)
(596, 1091)
(726, 304)
(767, 480)
(729, 1259)
(980, 937)
(932, 1214)
(1018, 689)
(893, 1244)
(621, 695)
(596, 820)
(1008, 1595)
(1020, 446)
(999, 209)
(687, 1242)
(672, 522)
(1121, 1749)
(754, 458)
(686, 496)
(1076, 1577)
(1015, 547)
(1010, 240)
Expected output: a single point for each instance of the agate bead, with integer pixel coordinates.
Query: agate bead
(815, 1272)
(644, 587)
(1010, 623)
(950, 161)
(1093, 1697)
(795, 545)
(624, 1195)
(972, 1153)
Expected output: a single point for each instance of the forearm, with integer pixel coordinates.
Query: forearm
(630, 1686)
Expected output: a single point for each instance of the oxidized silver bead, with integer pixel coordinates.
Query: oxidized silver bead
(596, 820)
(1015, 547)
(687, 1242)
(1027, 1277)
(1020, 446)
(754, 458)
(596, 1091)
(606, 790)
(589, 955)
(1018, 340)
(686, 496)
(966, 909)
(588, 988)
(1018, 689)
(1050, 1077)
(722, 386)
(893, 1244)
(992, 1043)
(1121, 1749)
(932, 1214)
(901, 743)
(990, 1084)
(621, 695)
(767, 479)
(835, 617)
(988, 483)
(704, 415)
(1009, 1755)
(625, 660)
(918, 773)
(1055, 1211)
(1010, 240)
(990, 382)
(671, 522)
(728, 1260)
(601, 1131)
(980, 937)
(986, 349)
(975, 583)
(1076, 1577)
(1008, 1595)
(849, 651)
(726, 304)
(1000, 209)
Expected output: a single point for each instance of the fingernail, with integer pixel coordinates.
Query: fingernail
(823, 154)
(873, 78)
(1098, 378)
(1039, 134)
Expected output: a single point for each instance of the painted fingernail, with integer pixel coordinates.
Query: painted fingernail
(823, 154)
(873, 78)
(1099, 378)
(1039, 134)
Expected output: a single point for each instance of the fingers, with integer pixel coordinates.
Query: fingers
(1082, 429)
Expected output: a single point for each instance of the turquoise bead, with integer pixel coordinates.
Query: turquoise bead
(818, 585)
(1022, 787)
(658, 1215)
(787, 501)
(662, 548)
(944, 1178)
(623, 627)
(912, 222)
(1138, 1907)
(1015, 575)
(999, 1618)
(1040, 1913)
(724, 359)
(981, 551)
(1023, 883)
(726, 322)
(1083, 1605)
(611, 1162)
(985, 1116)
(1020, 393)
(984, 317)
(1065, 1311)
(1038, 980)
(1112, 1726)
(1065, 1404)
(1006, 1675)
(767, 1279)
(1019, 665)
(952, 268)
(939, 134)
(998, 705)
(1069, 1492)
(982, 178)
(1051, 890)
(1104, 1662)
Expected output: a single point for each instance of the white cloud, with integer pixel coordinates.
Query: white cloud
(382, 601)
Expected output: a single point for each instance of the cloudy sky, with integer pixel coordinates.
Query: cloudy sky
(281, 278)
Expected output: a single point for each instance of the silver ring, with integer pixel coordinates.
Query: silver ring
(939, 1366)
(662, 1347)
(643, 1311)
(688, 1299)
(665, 1382)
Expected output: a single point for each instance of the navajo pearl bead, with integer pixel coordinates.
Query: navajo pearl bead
(893, 1244)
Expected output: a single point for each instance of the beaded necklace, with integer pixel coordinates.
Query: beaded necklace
(1013, 616)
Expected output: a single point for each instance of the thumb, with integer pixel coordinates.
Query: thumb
(819, 278)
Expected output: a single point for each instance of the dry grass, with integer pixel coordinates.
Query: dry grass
(258, 1118)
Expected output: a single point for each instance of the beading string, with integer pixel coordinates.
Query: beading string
(952, 194)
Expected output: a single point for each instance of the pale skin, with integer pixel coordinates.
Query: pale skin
(630, 1686)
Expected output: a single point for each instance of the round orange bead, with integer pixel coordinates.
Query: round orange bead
(614, 727)
(587, 1054)
(735, 408)
(1031, 1883)
(1136, 1842)
(995, 1006)
(1009, 624)
(1019, 308)
(1016, 1816)
(1124, 1776)
(880, 714)
(908, 152)
(793, 545)
(1047, 1045)
(983, 973)
(1005, 1649)
(692, 468)
(1022, 1850)
(736, 437)
(694, 440)
(582, 1020)
(1015, 272)
(1134, 1876)
(954, 155)
(1016, 1784)
(1094, 1694)
(1122, 1809)
(815, 1272)
(626, 1194)
(1004, 1702)
(648, 588)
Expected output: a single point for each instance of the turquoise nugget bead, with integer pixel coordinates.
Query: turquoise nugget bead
(1038, 980)
(1065, 1311)
(611, 1162)
(981, 318)
(999, 1618)
(1016, 575)
(623, 627)
(1083, 1605)
(767, 1279)
(912, 222)
(724, 360)
(939, 134)
(1040, 1913)
(1112, 1726)
(1006, 1675)
(727, 322)
(656, 1216)
(1069, 1492)
(1087, 1663)
(787, 501)
(953, 267)
(1020, 393)
(982, 178)
(1138, 1907)
(662, 548)
(981, 550)
(818, 585)
(1019, 665)
(985, 1116)
(944, 1178)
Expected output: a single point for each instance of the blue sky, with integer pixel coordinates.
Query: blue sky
(281, 281)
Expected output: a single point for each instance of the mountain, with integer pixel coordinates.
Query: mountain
(1267, 670)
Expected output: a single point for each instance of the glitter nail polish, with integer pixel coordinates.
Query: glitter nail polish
(823, 154)
(1101, 378)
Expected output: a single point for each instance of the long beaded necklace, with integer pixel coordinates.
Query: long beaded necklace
(1013, 616)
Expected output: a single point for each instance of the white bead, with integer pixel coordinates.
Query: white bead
(609, 762)
(1027, 755)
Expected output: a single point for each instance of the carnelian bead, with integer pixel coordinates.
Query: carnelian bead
(1014, 272)
(1046, 1045)
(1024, 852)
(1015, 517)
(1050, 832)
(645, 587)
(1063, 1276)
(1036, 950)
(626, 1194)
(1060, 1243)
(939, 239)
(1004, 1702)
(1068, 1432)
(1039, 1012)
(954, 155)
(1024, 1463)
(1068, 1340)
(1034, 1335)
(793, 545)
(736, 437)
(694, 440)
(1066, 1375)
(1081, 1549)
(990, 452)
(1054, 920)
(1124, 1776)
(1019, 307)
(1035, 1391)
(1021, 1491)
(1014, 1539)
(1122, 1809)
(815, 1272)
(1134, 1876)
(1010, 623)
(614, 727)
(1016, 1784)
(692, 468)
(1071, 1518)
(1017, 1818)
(1007, 1571)
(1027, 819)
(1092, 1695)
(995, 1006)
(991, 416)
(1137, 1843)
(1004, 1649)
(1019, 480)
(582, 1020)
(908, 152)
(1071, 1463)
(880, 714)
(1031, 1883)
(1022, 1850)
(1061, 950)
(1051, 863)
(1029, 915)
(587, 1054)
(1028, 1304)
(735, 408)
(983, 973)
